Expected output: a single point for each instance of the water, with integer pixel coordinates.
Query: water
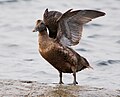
(100, 44)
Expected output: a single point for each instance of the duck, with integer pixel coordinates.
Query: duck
(55, 47)
(63, 58)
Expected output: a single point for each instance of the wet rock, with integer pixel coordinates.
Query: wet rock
(16, 88)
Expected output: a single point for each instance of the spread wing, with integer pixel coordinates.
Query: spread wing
(70, 25)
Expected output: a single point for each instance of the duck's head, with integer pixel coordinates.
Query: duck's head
(40, 26)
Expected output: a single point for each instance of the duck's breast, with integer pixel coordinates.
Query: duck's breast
(56, 59)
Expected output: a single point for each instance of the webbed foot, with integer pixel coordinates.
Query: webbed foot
(75, 82)
(61, 82)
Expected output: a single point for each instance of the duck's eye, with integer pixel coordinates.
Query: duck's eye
(38, 21)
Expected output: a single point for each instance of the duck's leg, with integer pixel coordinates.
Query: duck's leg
(74, 75)
(60, 75)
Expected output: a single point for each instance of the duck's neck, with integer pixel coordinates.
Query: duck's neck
(43, 39)
(43, 34)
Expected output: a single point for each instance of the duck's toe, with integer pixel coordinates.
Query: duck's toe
(61, 82)
(75, 82)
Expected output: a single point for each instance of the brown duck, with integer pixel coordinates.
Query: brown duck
(64, 30)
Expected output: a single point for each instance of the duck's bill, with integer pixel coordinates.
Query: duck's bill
(34, 30)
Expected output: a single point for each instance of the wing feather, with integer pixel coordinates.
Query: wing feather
(70, 25)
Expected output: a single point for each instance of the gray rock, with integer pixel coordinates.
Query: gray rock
(17, 88)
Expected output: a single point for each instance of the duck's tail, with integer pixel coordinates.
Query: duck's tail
(84, 63)
(90, 67)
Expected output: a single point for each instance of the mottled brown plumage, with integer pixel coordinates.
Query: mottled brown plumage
(63, 58)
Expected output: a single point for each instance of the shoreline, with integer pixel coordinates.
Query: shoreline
(19, 88)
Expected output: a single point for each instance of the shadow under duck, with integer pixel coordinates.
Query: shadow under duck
(68, 33)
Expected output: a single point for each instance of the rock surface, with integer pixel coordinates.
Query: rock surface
(17, 88)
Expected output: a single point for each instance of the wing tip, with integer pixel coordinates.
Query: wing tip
(102, 13)
(46, 10)
(95, 13)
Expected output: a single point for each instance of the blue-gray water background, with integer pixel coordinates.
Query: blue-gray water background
(100, 44)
